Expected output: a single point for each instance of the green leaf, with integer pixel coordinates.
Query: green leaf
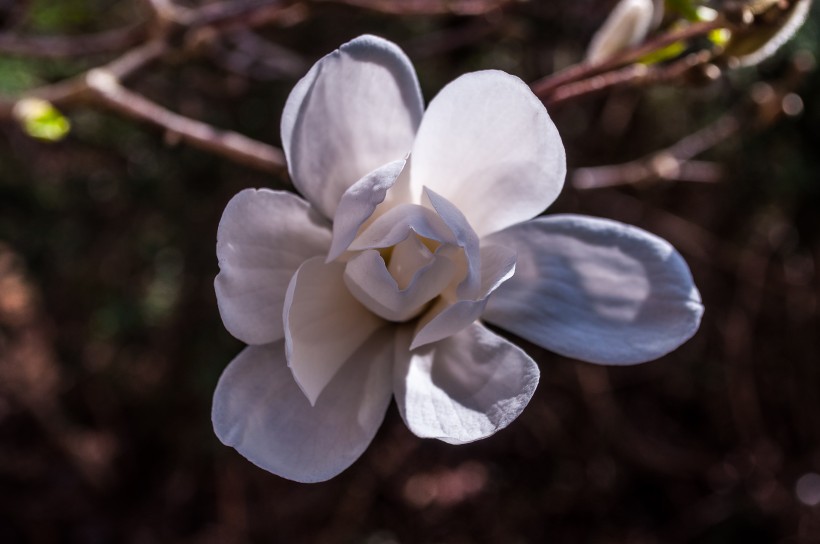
(41, 120)
(666, 53)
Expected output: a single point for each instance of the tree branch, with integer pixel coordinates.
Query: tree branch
(545, 88)
(107, 91)
(427, 7)
(57, 47)
(672, 163)
(102, 86)
(634, 75)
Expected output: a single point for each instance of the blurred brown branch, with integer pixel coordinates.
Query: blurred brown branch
(102, 85)
(672, 163)
(769, 102)
(223, 32)
(106, 89)
(427, 7)
(547, 87)
(220, 30)
(72, 46)
(74, 91)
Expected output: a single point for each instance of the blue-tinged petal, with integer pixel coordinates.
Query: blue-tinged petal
(596, 290)
(357, 109)
(262, 239)
(450, 314)
(394, 298)
(259, 410)
(463, 388)
(359, 202)
(398, 223)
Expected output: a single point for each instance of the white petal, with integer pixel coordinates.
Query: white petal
(375, 287)
(397, 223)
(627, 25)
(324, 324)
(259, 410)
(448, 316)
(407, 259)
(358, 204)
(466, 238)
(357, 109)
(487, 145)
(463, 388)
(262, 239)
(596, 290)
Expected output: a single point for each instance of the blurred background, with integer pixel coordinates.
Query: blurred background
(111, 343)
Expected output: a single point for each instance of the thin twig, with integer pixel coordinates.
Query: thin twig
(74, 91)
(674, 162)
(427, 7)
(57, 47)
(249, 55)
(545, 87)
(136, 59)
(107, 91)
(633, 75)
(103, 86)
(597, 83)
(231, 12)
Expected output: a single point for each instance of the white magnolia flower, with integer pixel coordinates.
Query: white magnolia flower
(416, 229)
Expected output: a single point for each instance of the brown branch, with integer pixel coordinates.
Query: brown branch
(545, 87)
(427, 7)
(55, 47)
(232, 13)
(136, 59)
(446, 40)
(102, 86)
(74, 91)
(106, 90)
(594, 84)
(675, 162)
(656, 166)
(249, 55)
(672, 163)
(633, 75)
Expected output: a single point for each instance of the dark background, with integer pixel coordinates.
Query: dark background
(111, 343)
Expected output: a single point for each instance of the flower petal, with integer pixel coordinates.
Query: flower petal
(357, 109)
(324, 324)
(397, 223)
(487, 145)
(463, 388)
(262, 239)
(466, 238)
(259, 410)
(449, 316)
(359, 202)
(370, 281)
(596, 290)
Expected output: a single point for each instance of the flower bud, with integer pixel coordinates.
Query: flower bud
(627, 25)
(769, 29)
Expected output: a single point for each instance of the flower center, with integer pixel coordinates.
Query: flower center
(397, 275)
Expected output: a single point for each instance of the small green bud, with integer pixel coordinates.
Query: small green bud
(40, 119)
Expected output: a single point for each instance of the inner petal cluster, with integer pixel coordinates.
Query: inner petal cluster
(402, 262)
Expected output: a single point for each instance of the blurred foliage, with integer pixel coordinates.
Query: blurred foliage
(111, 342)
(40, 119)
